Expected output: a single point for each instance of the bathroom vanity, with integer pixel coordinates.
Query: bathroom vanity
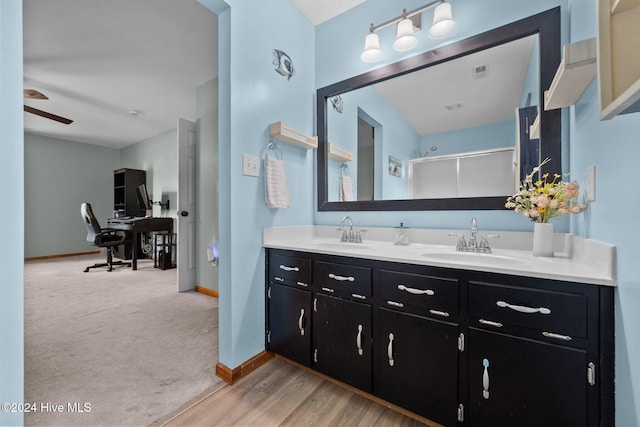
(504, 340)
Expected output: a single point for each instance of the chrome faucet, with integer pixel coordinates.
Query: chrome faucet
(473, 245)
(349, 236)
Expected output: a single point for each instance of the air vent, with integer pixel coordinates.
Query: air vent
(480, 71)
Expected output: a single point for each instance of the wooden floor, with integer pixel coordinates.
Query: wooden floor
(281, 394)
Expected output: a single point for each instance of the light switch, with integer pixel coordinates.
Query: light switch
(591, 184)
(250, 165)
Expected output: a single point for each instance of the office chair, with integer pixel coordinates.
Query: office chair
(103, 238)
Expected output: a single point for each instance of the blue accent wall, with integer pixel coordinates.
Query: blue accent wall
(12, 214)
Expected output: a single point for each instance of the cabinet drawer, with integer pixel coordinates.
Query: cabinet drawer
(332, 277)
(561, 313)
(289, 270)
(437, 295)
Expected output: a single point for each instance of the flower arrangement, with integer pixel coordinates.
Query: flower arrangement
(542, 200)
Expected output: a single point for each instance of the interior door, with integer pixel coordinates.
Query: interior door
(187, 237)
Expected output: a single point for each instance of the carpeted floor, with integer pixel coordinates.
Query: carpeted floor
(125, 343)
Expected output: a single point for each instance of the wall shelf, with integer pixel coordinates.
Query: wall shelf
(283, 133)
(338, 153)
(577, 69)
(534, 129)
(618, 59)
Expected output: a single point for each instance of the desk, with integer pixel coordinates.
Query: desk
(137, 226)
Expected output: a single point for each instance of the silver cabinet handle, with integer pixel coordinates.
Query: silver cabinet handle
(302, 284)
(395, 304)
(286, 268)
(557, 336)
(439, 313)
(315, 305)
(301, 321)
(415, 291)
(359, 340)
(328, 290)
(490, 323)
(279, 279)
(341, 278)
(358, 296)
(523, 309)
(485, 379)
(390, 350)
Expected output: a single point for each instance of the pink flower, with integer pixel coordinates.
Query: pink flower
(554, 204)
(575, 208)
(533, 213)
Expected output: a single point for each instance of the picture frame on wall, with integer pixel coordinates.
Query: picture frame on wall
(395, 166)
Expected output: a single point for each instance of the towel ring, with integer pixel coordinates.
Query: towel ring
(273, 146)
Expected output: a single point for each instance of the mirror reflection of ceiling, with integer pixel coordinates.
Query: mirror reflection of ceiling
(452, 95)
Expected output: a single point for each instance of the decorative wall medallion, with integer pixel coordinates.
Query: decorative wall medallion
(283, 63)
(337, 103)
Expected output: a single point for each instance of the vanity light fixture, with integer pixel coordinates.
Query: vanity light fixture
(408, 23)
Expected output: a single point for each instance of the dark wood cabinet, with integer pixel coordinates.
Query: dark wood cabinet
(417, 364)
(458, 347)
(289, 332)
(342, 340)
(517, 381)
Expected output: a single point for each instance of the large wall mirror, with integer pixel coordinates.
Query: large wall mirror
(448, 129)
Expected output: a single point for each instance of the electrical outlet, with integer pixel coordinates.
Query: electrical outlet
(591, 184)
(250, 165)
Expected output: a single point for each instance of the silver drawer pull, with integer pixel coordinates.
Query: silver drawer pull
(302, 284)
(415, 291)
(286, 268)
(395, 304)
(390, 350)
(328, 290)
(279, 279)
(485, 379)
(557, 336)
(439, 313)
(359, 341)
(490, 323)
(341, 278)
(358, 296)
(301, 321)
(523, 309)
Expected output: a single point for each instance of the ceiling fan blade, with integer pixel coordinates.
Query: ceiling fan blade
(33, 94)
(47, 115)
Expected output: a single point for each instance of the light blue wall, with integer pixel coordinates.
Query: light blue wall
(494, 135)
(612, 146)
(12, 192)
(256, 96)
(207, 108)
(158, 157)
(401, 140)
(59, 176)
(335, 46)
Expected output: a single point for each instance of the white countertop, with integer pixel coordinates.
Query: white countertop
(576, 259)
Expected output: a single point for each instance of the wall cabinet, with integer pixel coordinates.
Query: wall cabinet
(458, 347)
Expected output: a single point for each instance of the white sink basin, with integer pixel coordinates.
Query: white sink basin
(477, 258)
(342, 246)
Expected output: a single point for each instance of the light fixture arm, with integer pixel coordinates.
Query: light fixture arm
(404, 15)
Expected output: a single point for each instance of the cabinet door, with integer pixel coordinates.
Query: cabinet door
(289, 330)
(342, 340)
(519, 382)
(417, 364)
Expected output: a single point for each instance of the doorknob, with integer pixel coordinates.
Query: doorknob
(184, 213)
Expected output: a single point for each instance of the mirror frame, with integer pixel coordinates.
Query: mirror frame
(545, 24)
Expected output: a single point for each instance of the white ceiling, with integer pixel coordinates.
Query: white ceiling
(97, 60)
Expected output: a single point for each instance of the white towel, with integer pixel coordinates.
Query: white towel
(276, 193)
(346, 188)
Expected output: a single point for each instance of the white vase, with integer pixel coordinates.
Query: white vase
(543, 239)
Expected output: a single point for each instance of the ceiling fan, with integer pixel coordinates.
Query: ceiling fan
(34, 94)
